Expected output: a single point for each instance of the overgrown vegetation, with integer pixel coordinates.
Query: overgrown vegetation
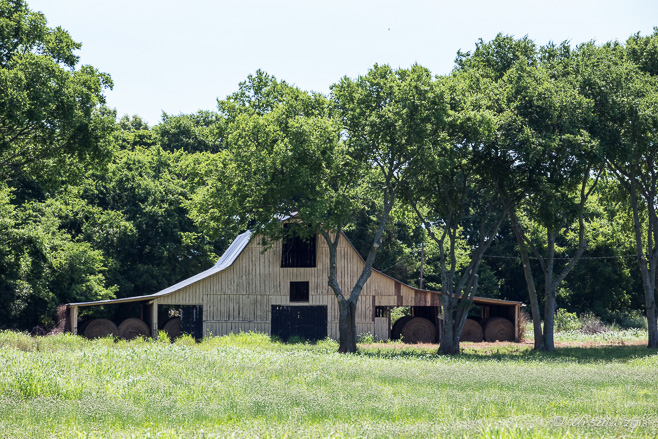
(94, 207)
(590, 323)
(246, 385)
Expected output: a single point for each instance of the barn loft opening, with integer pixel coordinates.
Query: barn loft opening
(299, 291)
(298, 252)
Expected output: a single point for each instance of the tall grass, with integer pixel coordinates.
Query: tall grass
(248, 386)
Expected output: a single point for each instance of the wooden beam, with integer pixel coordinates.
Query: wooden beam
(516, 322)
(73, 315)
(153, 305)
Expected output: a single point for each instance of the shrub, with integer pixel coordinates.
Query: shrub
(185, 340)
(566, 321)
(591, 324)
(163, 337)
(524, 321)
(629, 319)
(366, 338)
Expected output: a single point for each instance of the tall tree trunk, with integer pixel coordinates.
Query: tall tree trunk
(456, 300)
(549, 321)
(347, 306)
(652, 322)
(530, 284)
(550, 291)
(449, 344)
(551, 281)
(347, 326)
(645, 266)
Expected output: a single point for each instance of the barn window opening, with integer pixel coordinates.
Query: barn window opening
(298, 252)
(299, 291)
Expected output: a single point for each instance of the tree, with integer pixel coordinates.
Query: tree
(43, 265)
(626, 91)
(52, 122)
(399, 255)
(544, 133)
(388, 117)
(453, 194)
(603, 282)
(134, 211)
(190, 132)
(291, 153)
(50, 113)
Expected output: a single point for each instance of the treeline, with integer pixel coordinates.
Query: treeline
(527, 173)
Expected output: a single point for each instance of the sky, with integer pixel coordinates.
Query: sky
(178, 56)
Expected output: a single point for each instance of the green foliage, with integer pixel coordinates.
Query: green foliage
(628, 319)
(50, 113)
(399, 253)
(45, 266)
(496, 57)
(200, 132)
(54, 123)
(134, 212)
(566, 321)
(92, 209)
(133, 132)
(119, 230)
(185, 340)
(366, 338)
(398, 312)
(163, 337)
(280, 158)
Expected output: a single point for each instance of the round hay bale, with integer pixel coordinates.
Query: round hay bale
(472, 331)
(98, 328)
(419, 330)
(397, 327)
(499, 329)
(172, 327)
(132, 328)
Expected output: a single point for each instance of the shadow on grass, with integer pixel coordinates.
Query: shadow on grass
(595, 354)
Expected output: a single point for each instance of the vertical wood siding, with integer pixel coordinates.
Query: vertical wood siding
(240, 298)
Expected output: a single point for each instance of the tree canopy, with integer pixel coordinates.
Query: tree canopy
(50, 111)
(512, 173)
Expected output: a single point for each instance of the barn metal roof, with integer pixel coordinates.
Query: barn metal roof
(227, 259)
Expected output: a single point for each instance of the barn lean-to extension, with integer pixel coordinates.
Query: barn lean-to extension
(282, 290)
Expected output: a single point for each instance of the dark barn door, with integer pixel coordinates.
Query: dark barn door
(308, 322)
(191, 320)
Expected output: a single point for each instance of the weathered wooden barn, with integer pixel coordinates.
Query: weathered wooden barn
(283, 291)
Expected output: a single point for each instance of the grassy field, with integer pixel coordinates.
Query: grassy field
(248, 386)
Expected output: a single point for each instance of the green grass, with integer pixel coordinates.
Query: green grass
(618, 335)
(610, 335)
(246, 385)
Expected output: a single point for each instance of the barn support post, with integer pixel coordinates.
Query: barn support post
(73, 315)
(153, 307)
(517, 325)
